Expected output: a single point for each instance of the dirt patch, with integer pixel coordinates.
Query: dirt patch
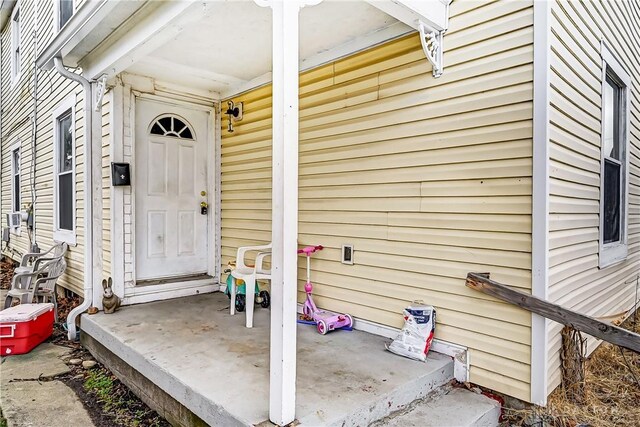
(7, 266)
(108, 401)
(65, 305)
(611, 392)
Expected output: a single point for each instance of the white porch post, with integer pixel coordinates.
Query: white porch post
(282, 384)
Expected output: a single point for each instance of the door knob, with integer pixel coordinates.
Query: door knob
(204, 208)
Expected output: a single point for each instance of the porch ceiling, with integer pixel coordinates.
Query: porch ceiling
(229, 45)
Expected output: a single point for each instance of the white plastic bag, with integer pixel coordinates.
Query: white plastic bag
(415, 338)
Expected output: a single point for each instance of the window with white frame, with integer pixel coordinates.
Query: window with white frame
(64, 12)
(15, 43)
(15, 179)
(64, 173)
(616, 85)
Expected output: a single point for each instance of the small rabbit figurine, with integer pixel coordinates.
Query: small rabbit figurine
(110, 301)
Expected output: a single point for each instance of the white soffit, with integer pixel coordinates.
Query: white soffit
(229, 49)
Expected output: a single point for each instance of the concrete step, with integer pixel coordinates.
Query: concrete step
(427, 378)
(446, 407)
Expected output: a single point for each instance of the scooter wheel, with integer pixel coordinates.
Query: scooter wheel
(322, 327)
(266, 299)
(348, 316)
(240, 303)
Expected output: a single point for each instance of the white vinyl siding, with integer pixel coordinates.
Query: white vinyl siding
(576, 280)
(428, 178)
(106, 186)
(18, 108)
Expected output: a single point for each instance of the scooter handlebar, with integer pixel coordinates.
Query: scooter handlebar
(310, 249)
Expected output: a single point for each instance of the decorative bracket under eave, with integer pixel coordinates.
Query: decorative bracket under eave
(101, 88)
(432, 45)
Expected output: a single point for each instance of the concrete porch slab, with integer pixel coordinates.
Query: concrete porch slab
(209, 362)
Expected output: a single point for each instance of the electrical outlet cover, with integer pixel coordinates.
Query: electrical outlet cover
(347, 254)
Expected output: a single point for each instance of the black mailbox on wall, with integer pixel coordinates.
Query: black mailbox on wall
(120, 174)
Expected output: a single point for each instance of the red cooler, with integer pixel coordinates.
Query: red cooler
(24, 326)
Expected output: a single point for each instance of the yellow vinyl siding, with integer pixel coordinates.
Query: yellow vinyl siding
(575, 280)
(428, 178)
(17, 110)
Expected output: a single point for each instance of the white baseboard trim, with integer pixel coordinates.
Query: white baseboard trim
(459, 353)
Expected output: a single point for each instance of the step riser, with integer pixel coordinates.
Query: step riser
(398, 400)
(448, 406)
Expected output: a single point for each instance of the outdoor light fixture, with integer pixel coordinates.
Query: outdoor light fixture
(235, 114)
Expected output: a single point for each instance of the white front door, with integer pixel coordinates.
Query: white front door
(172, 233)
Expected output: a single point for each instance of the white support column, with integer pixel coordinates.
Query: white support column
(96, 197)
(282, 383)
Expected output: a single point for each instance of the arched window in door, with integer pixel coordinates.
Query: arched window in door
(172, 126)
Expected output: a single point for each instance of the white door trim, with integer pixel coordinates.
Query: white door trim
(212, 171)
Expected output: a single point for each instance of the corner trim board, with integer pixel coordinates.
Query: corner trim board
(540, 192)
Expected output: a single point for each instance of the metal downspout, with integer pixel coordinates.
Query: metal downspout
(1, 140)
(88, 197)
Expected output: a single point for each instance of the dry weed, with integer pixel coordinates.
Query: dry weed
(612, 393)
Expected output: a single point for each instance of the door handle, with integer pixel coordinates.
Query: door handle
(204, 208)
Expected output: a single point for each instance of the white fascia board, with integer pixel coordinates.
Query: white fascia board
(82, 22)
(434, 13)
(6, 7)
(137, 39)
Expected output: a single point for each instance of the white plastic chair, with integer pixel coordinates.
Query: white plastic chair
(32, 261)
(41, 284)
(249, 275)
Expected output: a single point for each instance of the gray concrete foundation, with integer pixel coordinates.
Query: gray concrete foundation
(198, 355)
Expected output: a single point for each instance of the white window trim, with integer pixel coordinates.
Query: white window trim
(56, 16)
(15, 147)
(15, 76)
(613, 253)
(68, 236)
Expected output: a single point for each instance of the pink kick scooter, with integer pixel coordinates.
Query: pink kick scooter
(326, 321)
